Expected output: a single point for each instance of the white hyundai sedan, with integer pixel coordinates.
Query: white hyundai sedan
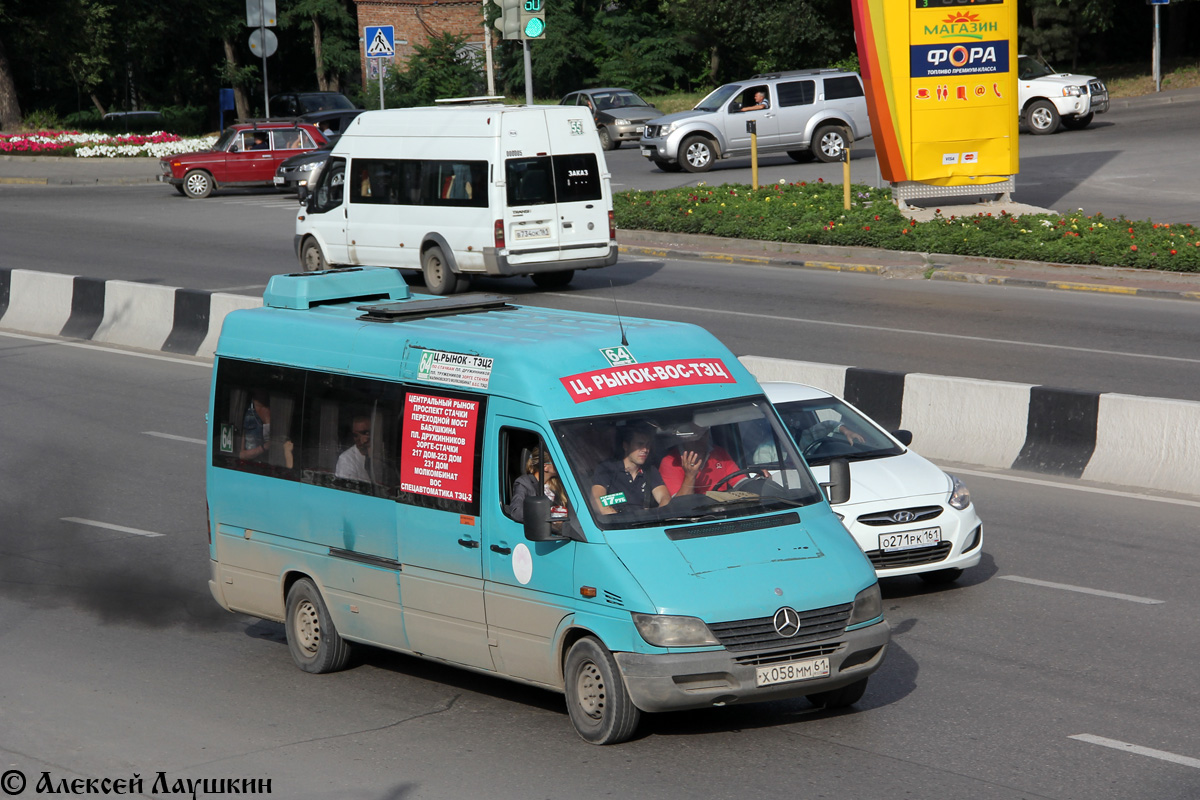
(908, 516)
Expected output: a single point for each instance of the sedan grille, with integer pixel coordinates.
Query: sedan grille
(901, 516)
(760, 634)
(909, 558)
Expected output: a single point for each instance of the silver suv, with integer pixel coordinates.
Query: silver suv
(808, 113)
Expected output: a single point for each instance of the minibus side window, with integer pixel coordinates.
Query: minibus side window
(257, 418)
(529, 181)
(576, 177)
(454, 183)
(375, 181)
(440, 444)
(351, 426)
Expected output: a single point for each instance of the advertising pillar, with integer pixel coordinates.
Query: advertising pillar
(940, 79)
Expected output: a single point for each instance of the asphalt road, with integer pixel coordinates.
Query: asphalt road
(1061, 667)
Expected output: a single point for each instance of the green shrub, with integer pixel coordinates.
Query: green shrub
(42, 120)
(813, 213)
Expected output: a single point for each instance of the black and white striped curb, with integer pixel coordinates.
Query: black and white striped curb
(1146, 442)
(184, 321)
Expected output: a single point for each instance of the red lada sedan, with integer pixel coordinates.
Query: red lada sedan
(246, 154)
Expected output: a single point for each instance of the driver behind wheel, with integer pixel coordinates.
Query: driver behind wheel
(695, 465)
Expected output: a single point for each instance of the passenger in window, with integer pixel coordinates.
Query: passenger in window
(629, 482)
(761, 103)
(260, 142)
(355, 461)
(527, 486)
(256, 431)
(695, 466)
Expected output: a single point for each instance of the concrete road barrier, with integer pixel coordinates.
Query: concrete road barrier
(1146, 442)
(1108, 438)
(165, 318)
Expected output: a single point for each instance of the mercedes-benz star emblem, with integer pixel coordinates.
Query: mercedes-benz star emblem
(787, 622)
(904, 516)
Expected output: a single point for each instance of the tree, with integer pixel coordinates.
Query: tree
(334, 38)
(442, 67)
(10, 106)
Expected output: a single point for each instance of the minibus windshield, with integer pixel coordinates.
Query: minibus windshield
(686, 464)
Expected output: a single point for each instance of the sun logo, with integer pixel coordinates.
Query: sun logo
(961, 18)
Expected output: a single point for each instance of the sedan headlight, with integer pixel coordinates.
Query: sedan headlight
(868, 604)
(960, 495)
(1072, 91)
(661, 630)
(309, 167)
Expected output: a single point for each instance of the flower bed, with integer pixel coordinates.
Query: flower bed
(100, 145)
(812, 213)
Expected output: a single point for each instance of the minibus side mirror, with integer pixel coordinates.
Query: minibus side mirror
(838, 487)
(903, 437)
(537, 519)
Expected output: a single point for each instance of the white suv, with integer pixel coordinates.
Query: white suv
(816, 112)
(1048, 97)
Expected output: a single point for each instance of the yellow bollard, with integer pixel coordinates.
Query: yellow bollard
(752, 129)
(846, 177)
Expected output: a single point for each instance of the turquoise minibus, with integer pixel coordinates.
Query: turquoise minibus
(574, 501)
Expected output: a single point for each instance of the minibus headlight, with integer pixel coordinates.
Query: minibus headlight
(960, 496)
(666, 631)
(868, 604)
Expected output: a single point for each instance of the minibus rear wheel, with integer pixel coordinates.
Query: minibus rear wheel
(839, 698)
(439, 278)
(597, 699)
(312, 638)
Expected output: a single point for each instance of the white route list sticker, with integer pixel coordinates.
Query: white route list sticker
(455, 369)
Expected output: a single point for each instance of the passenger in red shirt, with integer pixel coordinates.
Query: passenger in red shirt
(695, 466)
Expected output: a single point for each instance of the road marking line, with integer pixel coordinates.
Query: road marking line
(1083, 590)
(109, 526)
(1056, 485)
(174, 437)
(109, 349)
(1162, 755)
(878, 329)
(228, 289)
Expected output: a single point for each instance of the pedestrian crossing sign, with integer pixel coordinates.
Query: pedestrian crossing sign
(381, 41)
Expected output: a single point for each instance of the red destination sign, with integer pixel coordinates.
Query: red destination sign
(640, 377)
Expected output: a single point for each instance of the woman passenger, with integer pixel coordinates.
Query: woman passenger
(527, 486)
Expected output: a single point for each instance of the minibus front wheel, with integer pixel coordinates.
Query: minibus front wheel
(597, 700)
(312, 638)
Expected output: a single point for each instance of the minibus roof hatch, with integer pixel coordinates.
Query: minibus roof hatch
(434, 307)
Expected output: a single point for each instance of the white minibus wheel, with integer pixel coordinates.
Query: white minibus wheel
(311, 257)
(597, 699)
(314, 642)
(439, 278)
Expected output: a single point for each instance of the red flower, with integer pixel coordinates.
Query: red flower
(877, 218)
(1133, 247)
(866, 227)
(1172, 252)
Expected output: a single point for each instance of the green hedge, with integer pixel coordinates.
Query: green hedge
(813, 213)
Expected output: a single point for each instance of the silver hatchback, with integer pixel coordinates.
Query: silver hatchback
(804, 113)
